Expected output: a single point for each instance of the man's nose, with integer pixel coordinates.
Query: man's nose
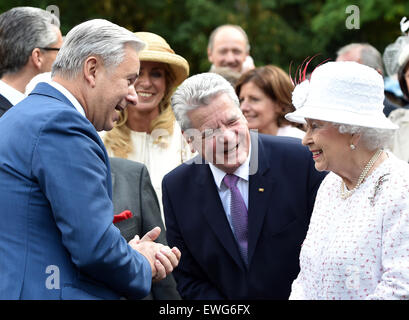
(225, 135)
(132, 96)
(230, 57)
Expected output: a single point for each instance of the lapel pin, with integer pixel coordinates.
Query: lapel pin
(260, 189)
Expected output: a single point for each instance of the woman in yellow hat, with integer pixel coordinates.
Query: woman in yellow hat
(148, 132)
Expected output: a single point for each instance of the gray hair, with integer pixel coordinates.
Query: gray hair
(238, 28)
(22, 29)
(198, 91)
(97, 37)
(369, 55)
(371, 138)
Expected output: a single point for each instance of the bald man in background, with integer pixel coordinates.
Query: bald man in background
(368, 55)
(229, 48)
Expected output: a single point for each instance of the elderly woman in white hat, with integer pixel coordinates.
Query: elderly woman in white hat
(357, 245)
(148, 132)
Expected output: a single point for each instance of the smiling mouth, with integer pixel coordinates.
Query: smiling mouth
(119, 108)
(232, 149)
(145, 94)
(316, 153)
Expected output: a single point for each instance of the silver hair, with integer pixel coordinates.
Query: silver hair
(371, 138)
(198, 91)
(215, 31)
(97, 37)
(22, 29)
(369, 55)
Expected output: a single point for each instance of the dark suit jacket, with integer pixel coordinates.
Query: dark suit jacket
(56, 210)
(132, 190)
(281, 198)
(4, 105)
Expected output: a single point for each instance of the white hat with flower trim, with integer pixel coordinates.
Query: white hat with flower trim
(342, 92)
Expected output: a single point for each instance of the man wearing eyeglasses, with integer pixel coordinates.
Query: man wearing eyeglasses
(29, 42)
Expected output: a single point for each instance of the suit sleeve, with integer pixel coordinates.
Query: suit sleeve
(192, 283)
(151, 217)
(70, 165)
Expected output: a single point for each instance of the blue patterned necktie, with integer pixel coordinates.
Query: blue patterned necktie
(238, 212)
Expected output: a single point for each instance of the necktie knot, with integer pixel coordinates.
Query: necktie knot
(230, 180)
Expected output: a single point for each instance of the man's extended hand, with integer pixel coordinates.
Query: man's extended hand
(161, 258)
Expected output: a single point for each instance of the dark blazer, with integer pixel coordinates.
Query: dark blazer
(57, 239)
(4, 105)
(132, 190)
(281, 198)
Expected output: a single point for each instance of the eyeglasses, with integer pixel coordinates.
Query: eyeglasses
(49, 49)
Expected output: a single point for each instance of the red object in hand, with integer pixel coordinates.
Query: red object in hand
(122, 216)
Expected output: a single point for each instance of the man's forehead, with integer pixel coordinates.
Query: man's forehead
(131, 61)
(208, 119)
(230, 35)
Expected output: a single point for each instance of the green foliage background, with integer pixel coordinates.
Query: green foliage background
(280, 31)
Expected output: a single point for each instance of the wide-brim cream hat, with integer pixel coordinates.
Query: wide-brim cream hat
(158, 50)
(343, 92)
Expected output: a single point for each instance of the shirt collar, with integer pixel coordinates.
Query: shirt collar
(242, 171)
(68, 95)
(10, 93)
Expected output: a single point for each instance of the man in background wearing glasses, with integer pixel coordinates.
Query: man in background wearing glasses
(29, 42)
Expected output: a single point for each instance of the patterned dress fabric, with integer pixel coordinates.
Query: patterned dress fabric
(358, 248)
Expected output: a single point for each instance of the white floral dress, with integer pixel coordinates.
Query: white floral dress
(358, 248)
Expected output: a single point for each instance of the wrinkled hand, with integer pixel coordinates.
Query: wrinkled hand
(161, 258)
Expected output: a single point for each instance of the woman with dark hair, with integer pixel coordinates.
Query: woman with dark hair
(265, 98)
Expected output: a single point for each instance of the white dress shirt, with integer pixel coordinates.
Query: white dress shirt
(243, 185)
(11, 94)
(68, 95)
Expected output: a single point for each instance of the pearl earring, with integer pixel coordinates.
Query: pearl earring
(352, 146)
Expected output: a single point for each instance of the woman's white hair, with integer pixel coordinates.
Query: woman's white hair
(198, 91)
(371, 138)
(94, 37)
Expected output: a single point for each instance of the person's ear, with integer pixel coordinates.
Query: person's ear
(90, 70)
(355, 139)
(209, 55)
(36, 58)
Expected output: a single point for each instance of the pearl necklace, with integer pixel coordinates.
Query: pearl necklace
(345, 193)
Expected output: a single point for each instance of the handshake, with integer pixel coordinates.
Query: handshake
(161, 258)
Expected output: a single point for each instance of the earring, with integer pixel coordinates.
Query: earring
(352, 146)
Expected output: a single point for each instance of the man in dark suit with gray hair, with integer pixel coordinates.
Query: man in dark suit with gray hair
(240, 210)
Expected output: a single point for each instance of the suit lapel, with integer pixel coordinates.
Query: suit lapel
(213, 212)
(261, 186)
(4, 103)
